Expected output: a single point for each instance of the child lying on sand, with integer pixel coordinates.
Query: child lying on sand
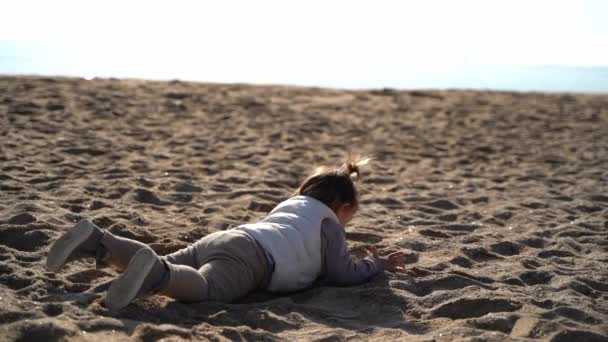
(300, 240)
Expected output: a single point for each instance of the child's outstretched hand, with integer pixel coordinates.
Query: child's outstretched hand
(394, 262)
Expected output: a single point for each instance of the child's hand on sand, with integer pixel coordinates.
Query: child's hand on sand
(394, 262)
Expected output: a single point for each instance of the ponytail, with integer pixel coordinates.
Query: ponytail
(353, 167)
(334, 187)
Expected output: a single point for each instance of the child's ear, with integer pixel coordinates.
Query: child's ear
(337, 206)
(347, 207)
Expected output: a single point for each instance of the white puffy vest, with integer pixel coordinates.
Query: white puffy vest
(291, 234)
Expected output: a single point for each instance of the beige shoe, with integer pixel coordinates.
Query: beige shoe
(83, 237)
(128, 286)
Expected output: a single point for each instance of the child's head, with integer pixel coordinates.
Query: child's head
(335, 188)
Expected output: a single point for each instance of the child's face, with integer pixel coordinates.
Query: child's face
(345, 213)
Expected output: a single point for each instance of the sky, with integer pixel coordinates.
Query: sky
(328, 43)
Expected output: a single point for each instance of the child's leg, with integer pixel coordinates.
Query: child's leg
(85, 239)
(195, 254)
(221, 280)
(234, 265)
(118, 250)
(82, 240)
(218, 280)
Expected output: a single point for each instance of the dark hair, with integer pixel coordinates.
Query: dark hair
(333, 187)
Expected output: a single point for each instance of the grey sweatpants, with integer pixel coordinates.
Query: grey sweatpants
(223, 266)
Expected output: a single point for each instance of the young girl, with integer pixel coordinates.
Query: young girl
(300, 240)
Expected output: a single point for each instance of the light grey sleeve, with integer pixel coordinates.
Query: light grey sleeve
(339, 266)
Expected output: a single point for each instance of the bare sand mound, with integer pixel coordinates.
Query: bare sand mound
(500, 199)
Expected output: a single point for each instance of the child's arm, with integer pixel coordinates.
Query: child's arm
(340, 267)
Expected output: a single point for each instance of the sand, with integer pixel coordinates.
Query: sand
(499, 199)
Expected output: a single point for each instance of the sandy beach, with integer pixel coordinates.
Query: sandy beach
(499, 199)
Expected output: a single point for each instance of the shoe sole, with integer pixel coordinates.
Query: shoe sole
(62, 248)
(124, 289)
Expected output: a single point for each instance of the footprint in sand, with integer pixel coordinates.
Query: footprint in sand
(474, 307)
(479, 254)
(24, 238)
(506, 248)
(148, 197)
(494, 323)
(22, 219)
(536, 277)
(578, 335)
(442, 204)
